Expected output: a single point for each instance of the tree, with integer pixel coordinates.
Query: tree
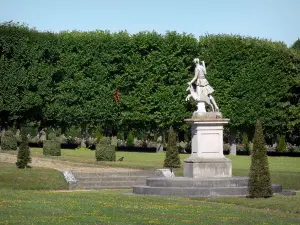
(24, 153)
(172, 159)
(259, 182)
(296, 45)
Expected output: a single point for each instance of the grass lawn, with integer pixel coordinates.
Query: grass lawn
(33, 179)
(113, 207)
(284, 170)
(18, 205)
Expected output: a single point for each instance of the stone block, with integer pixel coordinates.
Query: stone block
(204, 168)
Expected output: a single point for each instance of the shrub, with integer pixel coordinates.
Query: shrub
(281, 145)
(9, 141)
(24, 153)
(226, 147)
(172, 159)
(52, 146)
(105, 151)
(259, 183)
(130, 139)
(82, 149)
(98, 134)
(245, 142)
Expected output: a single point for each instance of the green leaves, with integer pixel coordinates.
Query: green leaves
(69, 78)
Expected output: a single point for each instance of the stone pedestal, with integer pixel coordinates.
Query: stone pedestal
(207, 159)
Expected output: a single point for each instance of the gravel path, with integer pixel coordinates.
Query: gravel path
(63, 165)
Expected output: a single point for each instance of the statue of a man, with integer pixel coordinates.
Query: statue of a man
(202, 86)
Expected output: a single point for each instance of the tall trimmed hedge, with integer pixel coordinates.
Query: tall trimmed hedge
(69, 79)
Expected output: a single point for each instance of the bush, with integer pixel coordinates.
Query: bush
(281, 145)
(226, 147)
(172, 159)
(105, 151)
(293, 148)
(260, 182)
(82, 149)
(51, 147)
(24, 153)
(9, 141)
(245, 142)
(130, 139)
(98, 134)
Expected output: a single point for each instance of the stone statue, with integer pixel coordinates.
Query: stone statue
(199, 88)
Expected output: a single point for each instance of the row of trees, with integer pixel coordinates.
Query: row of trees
(124, 81)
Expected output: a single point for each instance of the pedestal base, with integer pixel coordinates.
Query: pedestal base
(205, 168)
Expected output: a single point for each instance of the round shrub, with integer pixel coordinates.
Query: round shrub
(51, 147)
(9, 141)
(105, 151)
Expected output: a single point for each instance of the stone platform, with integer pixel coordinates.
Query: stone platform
(197, 187)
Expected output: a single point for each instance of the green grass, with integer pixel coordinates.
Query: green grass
(284, 170)
(113, 207)
(33, 178)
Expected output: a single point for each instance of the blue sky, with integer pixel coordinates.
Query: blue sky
(278, 20)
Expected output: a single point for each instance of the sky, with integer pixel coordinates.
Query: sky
(275, 20)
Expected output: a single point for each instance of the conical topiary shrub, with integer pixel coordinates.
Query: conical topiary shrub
(259, 185)
(172, 159)
(130, 139)
(24, 153)
(281, 144)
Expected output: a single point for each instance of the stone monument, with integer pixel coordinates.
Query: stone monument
(207, 172)
(207, 159)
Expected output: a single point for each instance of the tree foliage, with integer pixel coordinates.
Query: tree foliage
(69, 79)
(296, 45)
(259, 179)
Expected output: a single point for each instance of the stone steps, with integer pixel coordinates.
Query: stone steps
(209, 187)
(109, 185)
(194, 182)
(192, 191)
(110, 180)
